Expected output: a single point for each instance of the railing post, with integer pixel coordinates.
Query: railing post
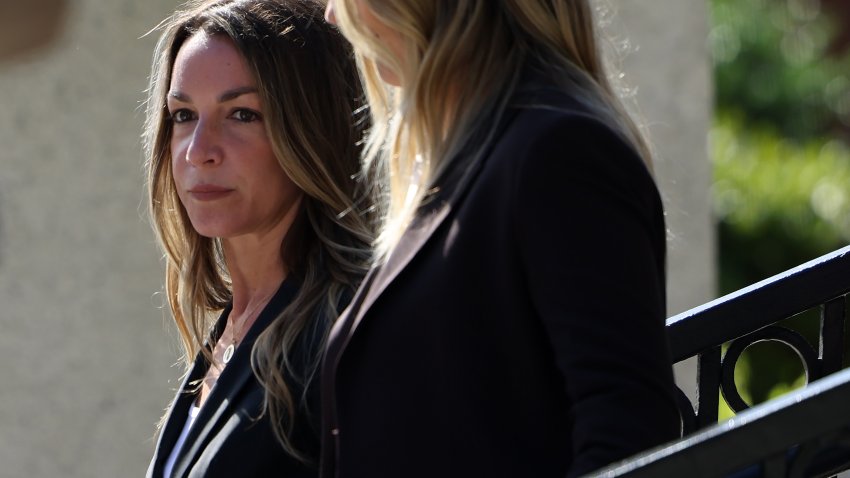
(708, 387)
(831, 343)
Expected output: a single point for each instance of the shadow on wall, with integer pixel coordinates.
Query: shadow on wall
(26, 27)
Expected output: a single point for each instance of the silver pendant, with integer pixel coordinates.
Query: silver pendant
(228, 353)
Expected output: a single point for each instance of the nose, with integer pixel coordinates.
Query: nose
(204, 148)
(330, 16)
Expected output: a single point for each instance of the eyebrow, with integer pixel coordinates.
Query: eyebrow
(226, 96)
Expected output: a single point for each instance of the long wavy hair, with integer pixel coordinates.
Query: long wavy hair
(312, 105)
(463, 60)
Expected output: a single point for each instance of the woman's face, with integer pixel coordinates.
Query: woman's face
(225, 172)
(383, 34)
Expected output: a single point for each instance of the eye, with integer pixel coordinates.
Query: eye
(245, 115)
(182, 115)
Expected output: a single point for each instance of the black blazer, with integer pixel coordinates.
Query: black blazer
(227, 439)
(517, 330)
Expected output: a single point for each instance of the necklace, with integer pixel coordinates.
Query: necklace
(231, 349)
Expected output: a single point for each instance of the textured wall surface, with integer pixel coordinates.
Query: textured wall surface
(87, 359)
(668, 65)
(86, 352)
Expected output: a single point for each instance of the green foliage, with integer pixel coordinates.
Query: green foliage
(781, 164)
(778, 203)
(771, 66)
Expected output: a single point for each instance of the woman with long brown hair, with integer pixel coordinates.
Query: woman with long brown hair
(251, 143)
(514, 322)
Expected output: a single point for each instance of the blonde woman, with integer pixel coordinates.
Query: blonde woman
(251, 143)
(514, 323)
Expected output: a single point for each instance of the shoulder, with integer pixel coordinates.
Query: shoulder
(553, 121)
(552, 137)
(556, 159)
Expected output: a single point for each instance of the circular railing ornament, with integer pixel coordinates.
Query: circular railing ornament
(773, 333)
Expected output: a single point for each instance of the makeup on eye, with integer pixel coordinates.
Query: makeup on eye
(181, 115)
(242, 115)
(245, 115)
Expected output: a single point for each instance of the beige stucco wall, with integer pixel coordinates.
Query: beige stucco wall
(667, 63)
(86, 359)
(86, 351)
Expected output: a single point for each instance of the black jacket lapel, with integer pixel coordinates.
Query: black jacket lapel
(233, 379)
(175, 419)
(457, 180)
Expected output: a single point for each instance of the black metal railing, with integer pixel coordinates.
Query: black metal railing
(801, 434)
(804, 433)
(749, 316)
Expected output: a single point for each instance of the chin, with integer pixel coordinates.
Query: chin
(388, 76)
(210, 229)
(210, 233)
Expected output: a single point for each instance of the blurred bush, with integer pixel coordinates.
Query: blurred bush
(771, 66)
(778, 203)
(781, 161)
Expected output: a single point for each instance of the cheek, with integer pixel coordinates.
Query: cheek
(387, 75)
(178, 144)
(393, 40)
(280, 190)
(178, 170)
(330, 13)
(176, 165)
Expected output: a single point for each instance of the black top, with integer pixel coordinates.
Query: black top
(517, 329)
(227, 439)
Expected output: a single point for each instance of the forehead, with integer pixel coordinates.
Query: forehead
(209, 62)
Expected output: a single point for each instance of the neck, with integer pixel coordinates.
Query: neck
(256, 265)
(255, 281)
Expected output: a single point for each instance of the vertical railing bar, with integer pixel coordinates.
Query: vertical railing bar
(708, 387)
(831, 343)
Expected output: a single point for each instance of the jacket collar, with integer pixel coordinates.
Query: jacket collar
(223, 396)
(453, 183)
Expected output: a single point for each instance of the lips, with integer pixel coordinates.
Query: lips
(209, 192)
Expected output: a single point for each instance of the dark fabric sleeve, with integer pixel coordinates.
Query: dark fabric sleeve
(591, 234)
